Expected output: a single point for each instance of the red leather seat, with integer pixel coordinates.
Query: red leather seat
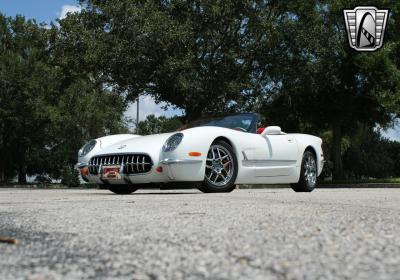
(260, 130)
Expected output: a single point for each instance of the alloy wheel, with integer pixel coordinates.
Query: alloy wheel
(310, 170)
(219, 166)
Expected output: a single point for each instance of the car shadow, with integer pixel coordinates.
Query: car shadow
(165, 193)
(145, 193)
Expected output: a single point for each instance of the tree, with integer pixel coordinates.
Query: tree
(196, 55)
(26, 81)
(371, 155)
(154, 125)
(48, 108)
(324, 84)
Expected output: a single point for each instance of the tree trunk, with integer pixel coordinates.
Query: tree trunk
(21, 176)
(193, 114)
(337, 151)
(2, 153)
(22, 169)
(2, 175)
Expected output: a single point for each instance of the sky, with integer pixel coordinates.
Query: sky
(49, 10)
(41, 10)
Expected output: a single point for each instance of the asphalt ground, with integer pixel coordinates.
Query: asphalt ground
(246, 234)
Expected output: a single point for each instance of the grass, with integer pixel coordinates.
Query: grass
(395, 180)
(46, 186)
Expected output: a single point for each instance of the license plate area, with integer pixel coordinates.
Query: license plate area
(111, 172)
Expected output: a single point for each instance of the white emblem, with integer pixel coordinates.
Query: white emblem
(365, 27)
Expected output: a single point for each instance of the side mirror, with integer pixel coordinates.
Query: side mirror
(272, 130)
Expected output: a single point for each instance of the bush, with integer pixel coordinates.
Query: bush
(70, 177)
(372, 156)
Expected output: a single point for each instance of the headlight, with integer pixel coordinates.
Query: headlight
(172, 142)
(87, 148)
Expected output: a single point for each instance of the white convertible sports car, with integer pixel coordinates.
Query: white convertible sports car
(212, 154)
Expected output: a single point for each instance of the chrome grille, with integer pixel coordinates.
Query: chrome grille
(130, 163)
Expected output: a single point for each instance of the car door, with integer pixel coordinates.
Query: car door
(276, 156)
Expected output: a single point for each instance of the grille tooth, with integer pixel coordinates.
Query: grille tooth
(137, 163)
(131, 165)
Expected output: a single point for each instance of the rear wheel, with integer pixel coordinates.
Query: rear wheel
(308, 173)
(221, 168)
(122, 189)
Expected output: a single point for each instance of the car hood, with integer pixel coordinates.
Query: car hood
(150, 144)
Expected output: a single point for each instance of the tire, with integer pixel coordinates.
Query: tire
(221, 169)
(122, 189)
(308, 173)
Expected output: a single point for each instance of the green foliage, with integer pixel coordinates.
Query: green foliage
(383, 181)
(48, 109)
(70, 177)
(154, 125)
(370, 155)
(324, 84)
(26, 82)
(197, 55)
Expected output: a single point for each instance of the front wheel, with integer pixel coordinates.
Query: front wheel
(221, 168)
(122, 189)
(308, 174)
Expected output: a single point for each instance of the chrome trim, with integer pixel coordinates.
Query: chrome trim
(268, 162)
(96, 163)
(272, 160)
(166, 148)
(168, 161)
(121, 168)
(82, 164)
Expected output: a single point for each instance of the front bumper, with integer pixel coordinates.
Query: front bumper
(182, 169)
(173, 170)
(321, 164)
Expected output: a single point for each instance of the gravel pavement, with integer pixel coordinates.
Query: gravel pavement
(246, 234)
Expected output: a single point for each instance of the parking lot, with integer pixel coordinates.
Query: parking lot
(247, 234)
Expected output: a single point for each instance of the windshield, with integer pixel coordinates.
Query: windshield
(241, 122)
